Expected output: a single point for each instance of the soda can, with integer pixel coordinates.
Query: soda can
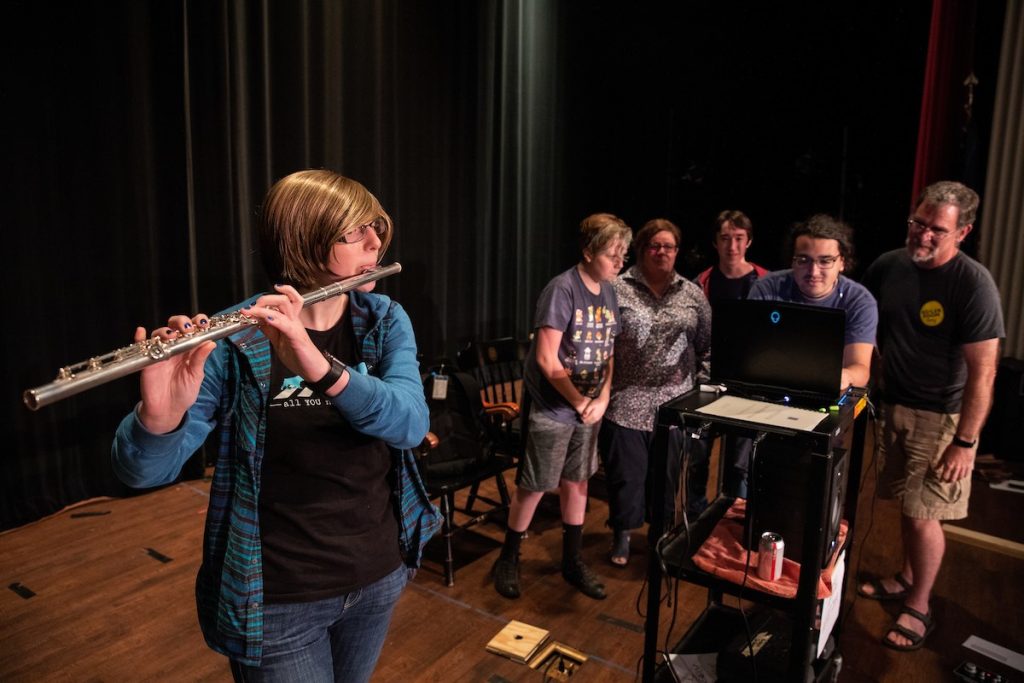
(769, 556)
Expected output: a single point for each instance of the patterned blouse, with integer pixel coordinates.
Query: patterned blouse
(662, 350)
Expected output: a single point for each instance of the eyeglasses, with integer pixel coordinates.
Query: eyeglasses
(358, 234)
(654, 248)
(938, 233)
(823, 262)
(620, 258)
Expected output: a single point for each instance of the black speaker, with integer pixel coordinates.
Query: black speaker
(780, 485)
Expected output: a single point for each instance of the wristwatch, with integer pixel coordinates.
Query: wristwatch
(963, 443)
(332, 376)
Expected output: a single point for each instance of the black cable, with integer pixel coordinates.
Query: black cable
(877, 428)
(665, 537)
(748, 541)
(672, 622)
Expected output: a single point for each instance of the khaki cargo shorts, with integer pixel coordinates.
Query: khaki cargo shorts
(909, 444)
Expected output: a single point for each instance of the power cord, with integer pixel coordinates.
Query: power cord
(749, 540)
(877, 428)
(671, 597)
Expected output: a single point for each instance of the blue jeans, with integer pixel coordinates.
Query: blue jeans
(337, 639)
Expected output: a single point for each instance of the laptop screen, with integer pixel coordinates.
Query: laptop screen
(774, 349)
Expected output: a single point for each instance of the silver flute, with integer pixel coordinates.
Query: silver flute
(74, 379)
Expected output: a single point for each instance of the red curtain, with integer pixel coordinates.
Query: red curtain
(949, 63)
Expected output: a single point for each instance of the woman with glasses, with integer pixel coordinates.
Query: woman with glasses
(822, 249)
(661, 352)
(567, 374)
(316, 511)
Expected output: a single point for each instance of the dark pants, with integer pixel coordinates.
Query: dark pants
(736, 460)
(627, 454)
(736, 453)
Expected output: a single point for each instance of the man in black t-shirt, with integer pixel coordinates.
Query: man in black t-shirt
(940, 324)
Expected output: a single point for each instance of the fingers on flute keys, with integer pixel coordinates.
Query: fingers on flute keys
(177, 326)
(287, 303)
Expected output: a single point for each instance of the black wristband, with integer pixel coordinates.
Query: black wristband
(963, 443)
(332, 376)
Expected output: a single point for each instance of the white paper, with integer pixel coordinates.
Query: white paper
(761, 412)
(1013, 485)
(830, 605)
(694, 668)
(996, 652)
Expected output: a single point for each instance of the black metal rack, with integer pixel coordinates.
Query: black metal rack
(840, 434)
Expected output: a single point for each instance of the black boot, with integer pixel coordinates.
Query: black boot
(573, 569)
(506, 569)
(506, 577)
(581, 576)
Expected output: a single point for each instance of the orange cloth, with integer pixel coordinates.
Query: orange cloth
(723, 555)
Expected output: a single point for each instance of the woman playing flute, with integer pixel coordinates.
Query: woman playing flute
(316, 511)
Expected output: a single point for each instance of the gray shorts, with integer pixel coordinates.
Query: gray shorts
(557, 451)
(910, 449)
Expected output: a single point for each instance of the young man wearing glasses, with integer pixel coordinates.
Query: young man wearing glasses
(822, 249)
(940, 327)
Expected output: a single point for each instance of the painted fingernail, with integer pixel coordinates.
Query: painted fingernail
(270, 317)
(204, 321)
(188, 325)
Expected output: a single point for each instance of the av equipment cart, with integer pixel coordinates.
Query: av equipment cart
(802, 484)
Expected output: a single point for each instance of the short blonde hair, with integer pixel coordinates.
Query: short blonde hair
(598, 230)
(303, 217)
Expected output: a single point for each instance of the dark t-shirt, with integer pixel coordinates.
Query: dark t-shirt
(925, 315)
(588, 323)
(721, 287)
(327, 522)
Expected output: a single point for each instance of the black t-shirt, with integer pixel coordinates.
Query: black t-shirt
(924, 316)
(721, 287)
(327, 521)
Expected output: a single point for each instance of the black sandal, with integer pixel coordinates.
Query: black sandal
(880, 593)
(916, 639)
(619, 554)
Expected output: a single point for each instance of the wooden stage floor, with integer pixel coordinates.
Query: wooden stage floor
(103, 592)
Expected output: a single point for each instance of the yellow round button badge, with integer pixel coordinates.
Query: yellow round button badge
(932, 313)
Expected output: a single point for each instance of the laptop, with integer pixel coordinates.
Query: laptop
(777, 351)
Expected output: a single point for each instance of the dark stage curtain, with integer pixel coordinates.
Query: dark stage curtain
(958, 98)
(943, 99)
(143, 136)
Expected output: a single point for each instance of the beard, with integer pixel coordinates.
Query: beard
(915, 251)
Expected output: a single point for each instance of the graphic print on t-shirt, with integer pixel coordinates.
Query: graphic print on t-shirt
(932, 313)
(295, 394)
(592, 334)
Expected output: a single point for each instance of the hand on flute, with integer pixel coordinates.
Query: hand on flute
(170, 387)
(278, 315)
